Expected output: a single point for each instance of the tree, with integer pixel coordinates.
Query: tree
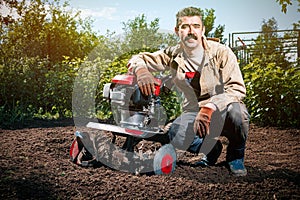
(272, 81)
(108, 48)
(268, 47)
(140, 34)
(284, 4)
(42, 43)
(209, 18)
(45, 29)
(297, 24)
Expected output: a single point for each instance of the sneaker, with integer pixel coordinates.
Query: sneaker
(237, 167)
(211, 158)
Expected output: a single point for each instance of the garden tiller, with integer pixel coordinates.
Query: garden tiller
(137, 118)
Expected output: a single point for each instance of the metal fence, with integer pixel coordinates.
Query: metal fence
(242, 44)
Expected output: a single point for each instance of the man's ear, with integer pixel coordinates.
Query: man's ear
(176, 29)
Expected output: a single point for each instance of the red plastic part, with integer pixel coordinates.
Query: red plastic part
(190, 74)
(167, 164)
(157, 87)
(134, 132)
(74, 150)
(124, 79)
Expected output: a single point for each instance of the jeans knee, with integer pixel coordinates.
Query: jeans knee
(181, 137)
(237, 123)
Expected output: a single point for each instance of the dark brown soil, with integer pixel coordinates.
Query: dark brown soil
(35, 164)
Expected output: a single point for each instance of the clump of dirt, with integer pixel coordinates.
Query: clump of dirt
(35, 164)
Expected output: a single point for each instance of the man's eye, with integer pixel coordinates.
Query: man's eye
(184, 26)
(196, 26)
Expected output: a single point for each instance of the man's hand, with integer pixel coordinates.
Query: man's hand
(146, 81)
(202, 121)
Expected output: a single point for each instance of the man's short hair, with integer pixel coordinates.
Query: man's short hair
(189, 11)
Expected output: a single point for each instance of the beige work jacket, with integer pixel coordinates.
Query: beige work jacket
(221, 81)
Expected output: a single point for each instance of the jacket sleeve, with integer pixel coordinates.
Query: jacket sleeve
(233, 84)
(156, 61)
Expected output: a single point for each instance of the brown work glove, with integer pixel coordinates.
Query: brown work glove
(146, 81)
(202, 121)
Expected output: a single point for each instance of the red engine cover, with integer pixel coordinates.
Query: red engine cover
(127, 79)
(157, 87)
(124, 79)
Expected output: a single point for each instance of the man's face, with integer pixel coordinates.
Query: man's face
(190, 31)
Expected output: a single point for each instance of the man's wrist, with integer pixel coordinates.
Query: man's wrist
(211, 106)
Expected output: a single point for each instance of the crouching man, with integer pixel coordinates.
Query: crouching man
(208, 75)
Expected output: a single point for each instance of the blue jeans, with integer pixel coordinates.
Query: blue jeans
(233, 123)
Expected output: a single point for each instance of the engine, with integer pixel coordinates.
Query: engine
(132, 109)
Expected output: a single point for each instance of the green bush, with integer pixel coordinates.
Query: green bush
(30, 89)
(273, 94)
(21, 85)
(56, 96)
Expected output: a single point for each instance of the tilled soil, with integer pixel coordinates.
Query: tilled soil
(35, 164)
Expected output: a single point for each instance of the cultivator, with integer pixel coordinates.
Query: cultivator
(136, 118)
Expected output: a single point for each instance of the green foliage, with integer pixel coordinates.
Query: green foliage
(29, 89)
(17, 113)
(209, 18)
(273, 93)
(20, 85)
(85, 86)
(108, 48)
(40, 51)
(116, 67)
(268, 47)
(284, 4)
(58, 87)
(171, 103)
(49, 51)
(46, 29)
(272, 81)
(141, 34)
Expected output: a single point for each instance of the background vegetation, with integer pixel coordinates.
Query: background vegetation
(43, 49)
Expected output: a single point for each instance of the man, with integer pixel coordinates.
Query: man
(208, 74)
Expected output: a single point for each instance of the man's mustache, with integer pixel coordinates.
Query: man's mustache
(191, 36)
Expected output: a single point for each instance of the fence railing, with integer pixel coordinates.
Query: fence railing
(243, 44)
